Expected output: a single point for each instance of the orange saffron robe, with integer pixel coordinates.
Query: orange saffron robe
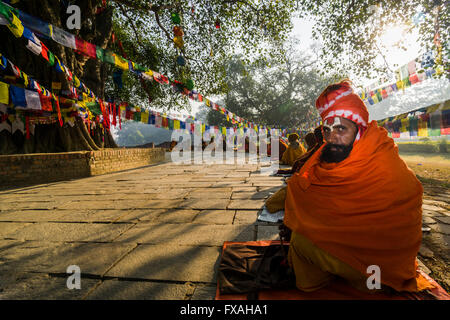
(365, 210)
(292, 153)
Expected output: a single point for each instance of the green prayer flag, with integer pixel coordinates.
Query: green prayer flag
(51, 59)
(100, 54)
(109, 57)
(137, 116)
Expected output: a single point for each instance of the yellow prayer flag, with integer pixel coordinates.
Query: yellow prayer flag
(4, 93)
(120, 62)
(76, 81)
(400, 85)
(224, 131)
(423, 131)
(207, 102)
(375, 99)
(25, 79)
(176, 124)
(144, 117)
(16, 26)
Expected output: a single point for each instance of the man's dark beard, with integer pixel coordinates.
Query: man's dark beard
(341, 153)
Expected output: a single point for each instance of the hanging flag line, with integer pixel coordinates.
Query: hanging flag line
(95, 52)
(37, 99)
(413, 72)
(429, 121)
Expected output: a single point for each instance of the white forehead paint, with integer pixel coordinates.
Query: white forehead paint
(337, 121)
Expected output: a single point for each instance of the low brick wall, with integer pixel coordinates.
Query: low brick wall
(29, 169)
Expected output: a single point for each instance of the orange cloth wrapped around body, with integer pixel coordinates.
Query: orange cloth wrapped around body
(365, 210)
(293, 152)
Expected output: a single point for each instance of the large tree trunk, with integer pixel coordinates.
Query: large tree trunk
(53, 138)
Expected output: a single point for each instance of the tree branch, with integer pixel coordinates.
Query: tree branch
(132, 24)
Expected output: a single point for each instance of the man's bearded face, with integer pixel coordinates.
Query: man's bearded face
(339, 133)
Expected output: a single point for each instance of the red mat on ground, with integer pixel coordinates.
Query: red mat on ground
(337, 290)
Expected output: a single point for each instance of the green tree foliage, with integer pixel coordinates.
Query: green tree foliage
(280, 94)
(251, 28)
(351, 27)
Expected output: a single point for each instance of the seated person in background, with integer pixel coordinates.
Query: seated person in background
(282, 147)
(310, 140)
(318, 141)
(276, 201)
(354, 205)
(294, 151)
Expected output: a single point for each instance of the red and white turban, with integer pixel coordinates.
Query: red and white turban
(339, 100)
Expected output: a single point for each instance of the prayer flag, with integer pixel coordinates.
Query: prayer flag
(4, 93)
(86, 48)
(16, 26)
(414, 78)
(100, 53)
(64, 38)
(120, 62)
(445, 129)
(33, 100)
(46, 102)
(144, 117)
(18, 96)
(34, 45)
(423, 127)
(435, 124)
(411, 67)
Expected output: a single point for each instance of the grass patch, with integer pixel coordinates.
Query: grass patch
(424, 145)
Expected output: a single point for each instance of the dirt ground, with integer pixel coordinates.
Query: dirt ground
(433, 170)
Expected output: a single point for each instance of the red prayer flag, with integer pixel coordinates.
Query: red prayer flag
(414, 78)
(46, 102)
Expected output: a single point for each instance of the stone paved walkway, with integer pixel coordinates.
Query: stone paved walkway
(149, 233)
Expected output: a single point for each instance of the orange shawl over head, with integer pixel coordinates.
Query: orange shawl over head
(365, 210)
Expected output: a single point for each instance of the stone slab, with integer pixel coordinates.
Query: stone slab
(445, 220)
(137, 215)
(9, 228)
(49, 231)
(441, 228)
(267, 233)
(246, 204)
(176, 216)
(32, 286)
(186, 234)
(138, 290)
(32, 215)
(215, 217)
(250, 195)
(51, 257)
(210, 193)
(116, 204)
(246, 217)
(169, 262)
(204, 293)
(205, 204)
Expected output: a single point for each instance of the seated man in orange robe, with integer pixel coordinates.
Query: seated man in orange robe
(354, 205)
(294, 150)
